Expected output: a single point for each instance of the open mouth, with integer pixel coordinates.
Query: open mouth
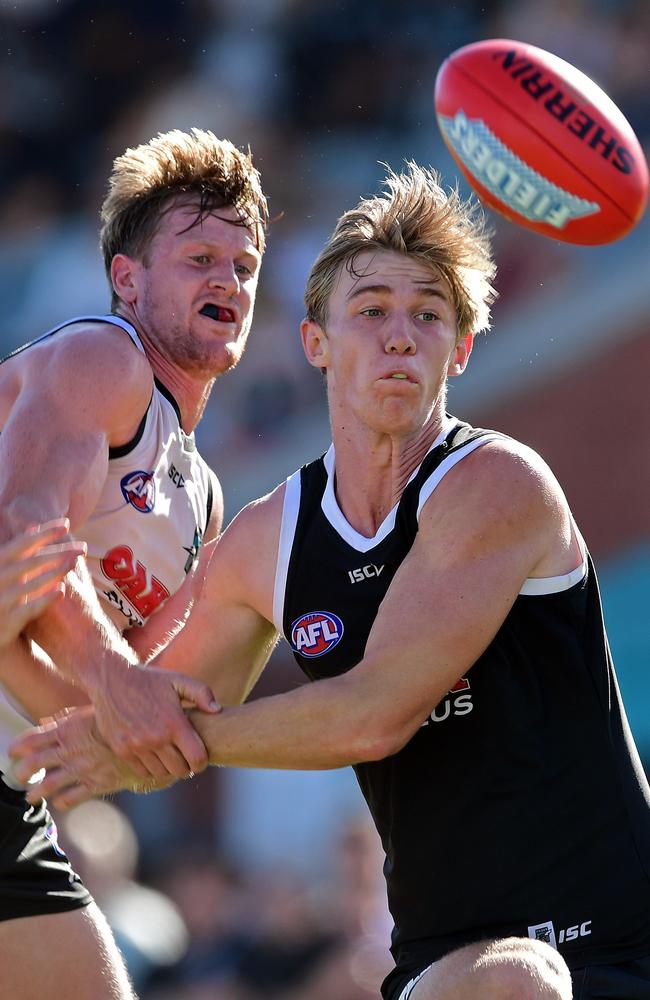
(221, 314)
(398, 377)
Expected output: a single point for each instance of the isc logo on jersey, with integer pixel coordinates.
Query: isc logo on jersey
(139, 490)
(316, 633)
(546, 932)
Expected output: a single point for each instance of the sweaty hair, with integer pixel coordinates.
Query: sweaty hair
(414, 216)
(194, 167)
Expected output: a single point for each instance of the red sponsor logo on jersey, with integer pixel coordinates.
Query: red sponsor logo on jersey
(461, 685)
(316, 633)
(144, 592)
(139, 490)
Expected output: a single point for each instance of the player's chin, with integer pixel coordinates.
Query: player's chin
(222, 356)
(398, 416)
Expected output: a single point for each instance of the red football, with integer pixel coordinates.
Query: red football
(540, 142)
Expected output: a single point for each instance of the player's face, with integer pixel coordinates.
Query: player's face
(389, 343)
(196, 290)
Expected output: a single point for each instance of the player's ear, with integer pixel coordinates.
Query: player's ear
(123, 277)
(315, 343)
(460, 355)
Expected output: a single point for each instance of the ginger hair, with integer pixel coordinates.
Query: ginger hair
(175, 167)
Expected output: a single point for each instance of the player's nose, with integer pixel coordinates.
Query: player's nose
(223, 276)
(400, 336)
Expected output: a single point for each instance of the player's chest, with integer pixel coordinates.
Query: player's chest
(332, 598)
(147, 528)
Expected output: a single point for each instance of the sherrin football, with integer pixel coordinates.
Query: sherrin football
(540, 142)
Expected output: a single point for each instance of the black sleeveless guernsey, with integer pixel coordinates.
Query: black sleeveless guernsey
(520, 806)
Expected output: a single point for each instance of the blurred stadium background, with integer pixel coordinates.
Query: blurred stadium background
(243, 884)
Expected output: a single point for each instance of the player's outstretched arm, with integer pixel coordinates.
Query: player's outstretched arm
(496, 519)
(96, 389)
(226, 642)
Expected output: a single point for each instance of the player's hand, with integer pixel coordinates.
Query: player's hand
(139, 715)
(32, 568)
(79, 766)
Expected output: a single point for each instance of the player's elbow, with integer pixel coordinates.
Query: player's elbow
(374, 725)
(382, 739)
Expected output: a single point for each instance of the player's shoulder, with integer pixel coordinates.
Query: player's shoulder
(506, 462)
(257, 525)
(244, 558)
(94, 362)
(88, 351)
(105, 347)
(502, 479)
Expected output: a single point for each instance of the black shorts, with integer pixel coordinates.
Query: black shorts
(35, 875)
(623, 981)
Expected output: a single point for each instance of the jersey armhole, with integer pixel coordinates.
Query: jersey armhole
(538, 586)
(124, 449)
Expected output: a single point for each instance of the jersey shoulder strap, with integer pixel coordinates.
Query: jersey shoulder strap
(303, 491)
(106, 318)
(461, 440)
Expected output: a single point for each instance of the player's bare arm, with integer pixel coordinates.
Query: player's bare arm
(496, 519)
(65, 424)
(230, 635)
(227, 642)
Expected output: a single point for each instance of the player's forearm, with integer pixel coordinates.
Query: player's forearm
(29, 676)
(79, 637)
(323, 725)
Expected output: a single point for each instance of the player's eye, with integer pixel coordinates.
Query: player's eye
(427, 316)
(372, 311)
(243, 269)
(200, 258)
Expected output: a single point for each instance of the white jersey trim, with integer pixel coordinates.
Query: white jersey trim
(335, 515)
(448, 463)
(412, 983)
(290, 509)
(536, 586)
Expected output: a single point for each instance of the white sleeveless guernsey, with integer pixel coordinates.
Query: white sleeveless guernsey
(146, 529)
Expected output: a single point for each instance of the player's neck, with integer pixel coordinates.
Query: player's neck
(191, 391)
(372, 470)
(190, 387)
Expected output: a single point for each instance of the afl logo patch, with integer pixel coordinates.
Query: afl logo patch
(139, 489)
(316, 633)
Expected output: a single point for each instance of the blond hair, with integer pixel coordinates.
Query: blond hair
(194, 166)
(414, 216)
